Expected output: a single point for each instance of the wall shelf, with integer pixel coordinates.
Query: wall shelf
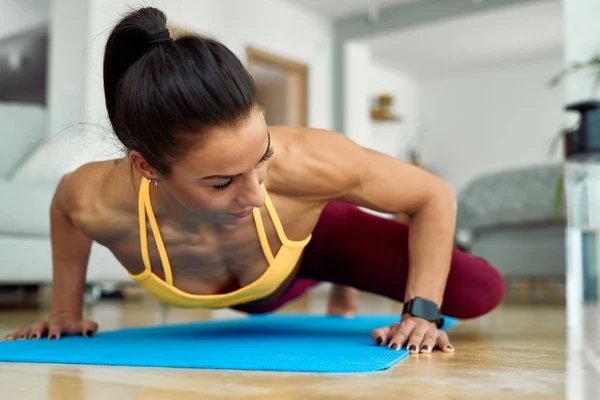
(384, 115)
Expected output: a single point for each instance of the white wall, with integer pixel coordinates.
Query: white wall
(394, 138)
(490, 121)
(582, 41)
(356, 101)
(365, 80)
(270, 25)
(67, 69)
(18, 16)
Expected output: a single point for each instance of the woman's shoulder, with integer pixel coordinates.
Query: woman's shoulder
(77, 185)
(313, 163)
(86, 195)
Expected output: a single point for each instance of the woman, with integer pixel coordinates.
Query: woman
(212, 208)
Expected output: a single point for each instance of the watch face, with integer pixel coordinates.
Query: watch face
(423, 309)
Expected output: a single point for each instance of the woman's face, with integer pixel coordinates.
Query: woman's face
(222, 174)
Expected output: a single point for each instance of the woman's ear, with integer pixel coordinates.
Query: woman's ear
(142, 166)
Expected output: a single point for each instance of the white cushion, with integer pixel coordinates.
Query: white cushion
(65, 153)
(23, 126)
(29, 260)
(25, 208)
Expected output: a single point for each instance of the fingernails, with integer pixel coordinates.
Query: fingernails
(394, 346)
(449, 347)
(52, 337)
(89, 333)
(34, 336)
(379, 341)
(412, 348)
(425, 348)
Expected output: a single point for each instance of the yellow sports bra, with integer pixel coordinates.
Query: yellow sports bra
(280, 265)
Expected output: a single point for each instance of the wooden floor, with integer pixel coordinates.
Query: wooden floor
(516, 352)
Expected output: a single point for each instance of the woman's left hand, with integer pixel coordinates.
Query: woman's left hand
(419, 335)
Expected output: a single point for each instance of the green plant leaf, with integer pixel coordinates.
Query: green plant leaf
(593, 63)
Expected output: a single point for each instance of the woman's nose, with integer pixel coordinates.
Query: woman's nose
(250, 193)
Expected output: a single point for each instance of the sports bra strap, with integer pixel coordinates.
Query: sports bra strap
(277, 222)
(146, 213)
(262, 236)
(145, 208)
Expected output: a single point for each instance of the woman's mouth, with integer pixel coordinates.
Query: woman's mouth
(243, 214)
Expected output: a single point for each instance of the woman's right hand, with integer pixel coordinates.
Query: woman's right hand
(55, 327)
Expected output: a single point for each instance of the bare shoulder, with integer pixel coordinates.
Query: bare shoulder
(71, 187)
(313, 163)
(80, 194)
(321, 165)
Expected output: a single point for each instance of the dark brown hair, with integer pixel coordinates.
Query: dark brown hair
(160, 94)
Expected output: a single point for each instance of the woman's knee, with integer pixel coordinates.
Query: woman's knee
(475, 288)
(493, 285)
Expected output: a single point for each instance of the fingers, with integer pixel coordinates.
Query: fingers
(12, 336)
(37, 330)
(88, 328)
(383, 335)
(23, 333)
(444, 343)
(18, 335)
(402, 334)
(429, 341)
(54, 331)
(418, 335)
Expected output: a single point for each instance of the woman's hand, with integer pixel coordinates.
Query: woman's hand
(419, 335)
(55, 327)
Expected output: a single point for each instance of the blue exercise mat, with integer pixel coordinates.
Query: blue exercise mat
(286, 342)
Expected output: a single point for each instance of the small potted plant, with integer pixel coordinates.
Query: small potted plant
(382, 110)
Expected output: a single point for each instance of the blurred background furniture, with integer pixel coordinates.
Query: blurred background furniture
(508, 218)
(31, 165)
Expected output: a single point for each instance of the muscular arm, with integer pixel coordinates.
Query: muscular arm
(70, 255)
(329, 166)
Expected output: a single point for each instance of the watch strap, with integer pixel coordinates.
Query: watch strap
(423, 308)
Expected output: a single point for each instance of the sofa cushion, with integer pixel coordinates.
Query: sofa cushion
(25, 208)
(515, 196)
(23, 127)
(64, 153)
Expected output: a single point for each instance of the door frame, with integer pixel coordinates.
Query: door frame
(289, 66)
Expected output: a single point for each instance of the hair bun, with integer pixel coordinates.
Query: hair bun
(161, 36)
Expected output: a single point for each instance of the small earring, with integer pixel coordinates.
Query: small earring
(156, 183)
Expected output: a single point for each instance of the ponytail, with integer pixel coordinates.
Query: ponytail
(161, 94)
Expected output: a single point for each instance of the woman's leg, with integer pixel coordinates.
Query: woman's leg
(342, 301)
(370, 253)
(353, 248)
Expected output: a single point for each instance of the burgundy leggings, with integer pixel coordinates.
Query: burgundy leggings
(370, 253)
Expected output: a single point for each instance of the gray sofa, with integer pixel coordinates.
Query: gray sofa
(508, 217)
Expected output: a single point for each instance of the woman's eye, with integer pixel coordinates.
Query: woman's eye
(224, 186)
(269, 154)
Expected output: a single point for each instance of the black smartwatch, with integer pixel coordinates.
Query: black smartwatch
(423, 308)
